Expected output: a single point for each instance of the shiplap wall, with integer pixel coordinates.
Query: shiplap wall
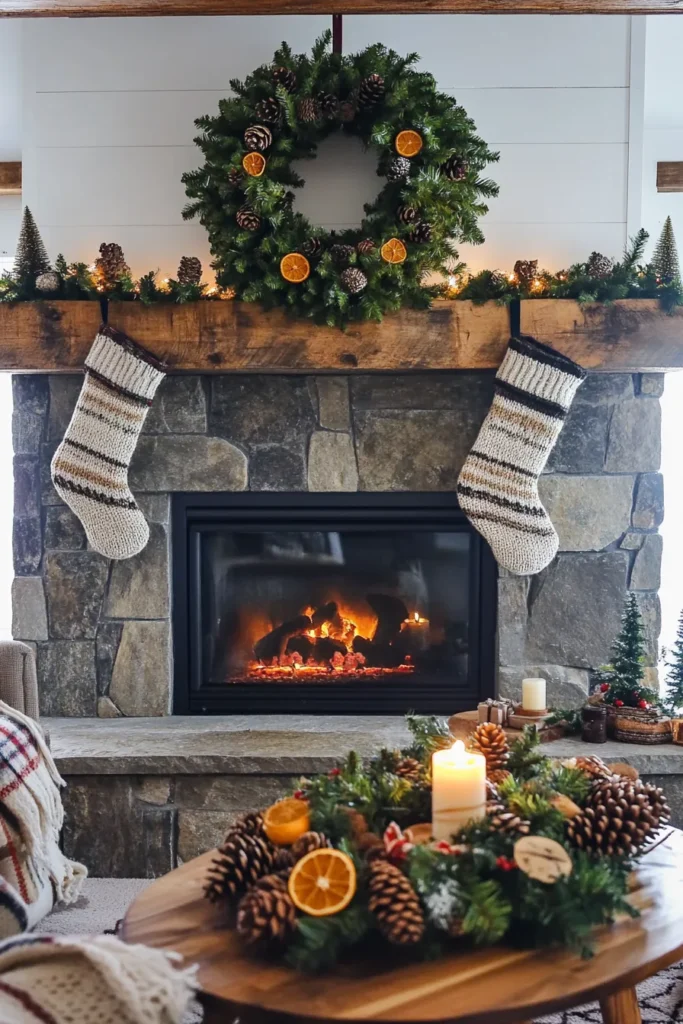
(109, 108)
(10, 126)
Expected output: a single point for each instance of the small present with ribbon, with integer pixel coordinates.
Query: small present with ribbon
(496, 710)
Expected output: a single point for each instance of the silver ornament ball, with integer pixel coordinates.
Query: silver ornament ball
(48, 282)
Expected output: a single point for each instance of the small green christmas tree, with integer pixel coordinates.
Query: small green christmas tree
(622, 680)
(31, 257)
(673, 701)
(665, 260)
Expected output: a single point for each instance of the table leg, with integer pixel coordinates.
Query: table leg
(621, 1008)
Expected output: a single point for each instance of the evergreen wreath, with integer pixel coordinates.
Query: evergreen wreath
(432, 198)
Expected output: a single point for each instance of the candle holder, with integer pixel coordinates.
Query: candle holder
(533, 713)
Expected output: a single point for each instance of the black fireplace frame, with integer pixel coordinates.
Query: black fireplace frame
(193, 513)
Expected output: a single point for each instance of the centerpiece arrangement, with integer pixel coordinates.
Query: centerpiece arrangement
(434, 846)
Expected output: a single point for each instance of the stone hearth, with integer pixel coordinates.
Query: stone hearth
(101, 630)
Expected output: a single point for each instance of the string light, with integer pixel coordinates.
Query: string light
(536, 284)
(512, 278)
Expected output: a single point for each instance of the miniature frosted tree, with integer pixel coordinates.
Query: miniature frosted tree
(665, 260)
(622, 680)
(31, 257)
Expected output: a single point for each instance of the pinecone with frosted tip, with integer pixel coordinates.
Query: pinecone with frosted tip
(189, 270)
(110, 266)
(312, 248)
(269, 110)
(240, 861)
(346, 111)
(498, 775)
(365, 247)
(308, 842)
(591, 764)
(266, 913)
(455, 168)
(258, 138)
(235, 175)
(370, 91)
(328, 103)
(341, 254)
(409, 768)
(398, 168)
(353, 280)
(395, 904)
(492, 795)
(286, 78)
(599, 266)
(307, 110)
(407, 214)
(421, 233)
(247, 218)
(619, 818)
(490, 740)
(505, 821)
(47, 282)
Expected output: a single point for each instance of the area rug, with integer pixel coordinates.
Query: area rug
(104, 901)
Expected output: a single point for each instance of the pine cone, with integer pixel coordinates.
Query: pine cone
(421, 233)
(250, 823)
(308, 842)
(409, 768)
(312, 248)
(347, 111)
(110, 266)
(353, 280)
(283, 860)
(591, 764)
(247, 219)
(492, 790)
(365, 247)
(341, 254)
(328, 103)
(398, 168)
(269, 110)
(235, 176)
(395, 904)
(599, 266)
(285, 78)
(505, 821)
(619, 818)
(189, 270)
(497, 776)
(241, 860)
(266, 913)
(47, 282)
(455, 168)
(308, 111)
(407, 214)
(525, 271)
(371, 91)
(357, 821)
(372, 846)
(490, 740)
(258, 138)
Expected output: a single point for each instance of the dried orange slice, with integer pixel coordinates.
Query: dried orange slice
(254, 164)
(286, 820)
(394, 251)
(323, 882)
(408, 143)
(294, 267)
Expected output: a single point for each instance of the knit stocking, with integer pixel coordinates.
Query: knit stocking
(90, 467)
(498, 485)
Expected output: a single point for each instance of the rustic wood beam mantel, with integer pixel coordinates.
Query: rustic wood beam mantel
(233, 337)
(154, 8)
(10, 178)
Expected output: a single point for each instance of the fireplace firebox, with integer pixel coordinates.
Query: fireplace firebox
(329, 603)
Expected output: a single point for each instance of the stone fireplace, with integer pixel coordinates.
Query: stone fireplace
(102, 631)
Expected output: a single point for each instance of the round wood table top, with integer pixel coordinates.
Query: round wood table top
(489, 986)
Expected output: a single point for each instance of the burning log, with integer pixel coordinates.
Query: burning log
(377, 655)
(274, 644)
(302, 645)
(325, 613)
(326, 648)
(391, 612)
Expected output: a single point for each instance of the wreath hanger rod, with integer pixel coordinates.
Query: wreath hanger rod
(336, 33)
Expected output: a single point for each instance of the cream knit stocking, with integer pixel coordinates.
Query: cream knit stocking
(90, 467)
(498, 485)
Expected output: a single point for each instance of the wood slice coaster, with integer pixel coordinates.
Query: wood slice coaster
(464, 723)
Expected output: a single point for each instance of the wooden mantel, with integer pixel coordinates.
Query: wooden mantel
(206, 337)
(140, 8)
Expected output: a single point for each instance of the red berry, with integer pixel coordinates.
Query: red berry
(604, 687)
(618, 703)
(643, 704)
(333, 773)
(300, 795)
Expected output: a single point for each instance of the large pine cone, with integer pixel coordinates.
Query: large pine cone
(490, 740)
(370, 91)
(411, 769)
(455, 168)
(620, 817)
(286, 78)
(395, 904)
(258, 138)
(398, 168)
(341, 254)
(329, 104)
(247, 219)
(308, 110)
(110, 266)
(353, 280)
(505, 821)
(365, 247)
(308, 842)
(593, 765)
(189, 270)
(421, 233)
(266, 913)
(240, 861)
(269, 110)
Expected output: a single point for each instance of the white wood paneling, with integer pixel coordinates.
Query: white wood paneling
(10, 91)
(554, 245)
(10, 218)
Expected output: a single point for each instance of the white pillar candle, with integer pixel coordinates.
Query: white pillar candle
(458, 789)
(533, 695)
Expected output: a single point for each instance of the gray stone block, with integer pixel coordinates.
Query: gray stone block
(26, 486)
(75, 582)
(648, 509)
(647, 567)
(47, 494)
(29, 612)
(333, 403)
(635, 431)
(332, 463)
(64, 391)
(27, 432)
(141, 678)
(106, 648)
(156, 508)
(605, 389)
(66, 679)
(652, 384)
(575, 608)
(27, 545)
(426, 391)
(179, 407)
(274, 468)
(30, 392)
(188, 462)
(632, 541)
(63, 530)
(107, 709)
(414, 451)
(154, 790)
(139, 587)
(199, 831)
(262, 410)
(651, 611)
(588, 512)
(235, 793)
(582, 444)
(566, 687)
(512, 618)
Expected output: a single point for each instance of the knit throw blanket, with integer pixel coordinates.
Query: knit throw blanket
(31, 819)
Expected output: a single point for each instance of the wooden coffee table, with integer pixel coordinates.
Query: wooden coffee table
(487, 986)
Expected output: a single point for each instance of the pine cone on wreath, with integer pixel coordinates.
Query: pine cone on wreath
(370, 91)
(409, 768)
(365, 247)
(398, 168)
(505, 821)
(247, 219)
(599, 266)
(308, 842)
(341, 254)
(407, 214)
(490, 740)
(421, 233)
(269, 110)
(240, 861)
(189, 270)
(258, 138)
(395, 904)
(308, 111)
(353, 280)
(312, 248)
(347, 111)
(266, 913)
(286, 78)
(110, 266)
(619, 818)
(235, 175)
(455, 168)
(329, 104)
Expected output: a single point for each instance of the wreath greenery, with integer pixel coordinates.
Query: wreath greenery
(432, 198)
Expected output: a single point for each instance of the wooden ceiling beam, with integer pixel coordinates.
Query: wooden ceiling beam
(10, 178)
(152, 8)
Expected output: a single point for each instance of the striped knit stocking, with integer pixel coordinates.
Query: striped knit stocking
(90, 467)
(498, 485)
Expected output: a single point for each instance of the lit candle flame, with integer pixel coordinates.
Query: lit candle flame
(417, 617)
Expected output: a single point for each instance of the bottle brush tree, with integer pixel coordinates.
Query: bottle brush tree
(622, 680)
(673, 701)
(31, 257)
(665, 259)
